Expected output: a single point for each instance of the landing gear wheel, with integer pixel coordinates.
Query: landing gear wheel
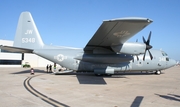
(98, 74)
(158, 72)
(109, 74)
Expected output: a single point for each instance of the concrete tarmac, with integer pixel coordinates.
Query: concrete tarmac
(20, 89)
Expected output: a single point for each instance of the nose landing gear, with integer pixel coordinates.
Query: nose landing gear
(158, 72)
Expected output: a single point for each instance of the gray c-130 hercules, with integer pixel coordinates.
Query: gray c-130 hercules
(108, 51)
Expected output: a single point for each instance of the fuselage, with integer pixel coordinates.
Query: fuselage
(76, 59)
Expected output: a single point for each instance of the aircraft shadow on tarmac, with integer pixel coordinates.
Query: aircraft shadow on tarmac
(170, 97)
(91, 78)
(29, 71)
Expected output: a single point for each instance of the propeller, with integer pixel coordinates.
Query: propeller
(148, 46)
(136, 57)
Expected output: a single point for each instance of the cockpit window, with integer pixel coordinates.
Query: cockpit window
(164, 54)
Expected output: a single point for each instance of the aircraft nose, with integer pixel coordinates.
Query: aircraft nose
(172, 62)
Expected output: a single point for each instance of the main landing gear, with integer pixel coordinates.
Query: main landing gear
(103, 74)
(158, 72)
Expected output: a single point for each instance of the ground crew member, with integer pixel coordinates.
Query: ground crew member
(32, 71)
(47, 67)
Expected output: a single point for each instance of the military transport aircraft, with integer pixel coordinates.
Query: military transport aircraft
(108, 51)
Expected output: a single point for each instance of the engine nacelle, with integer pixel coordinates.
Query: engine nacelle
(130, 48)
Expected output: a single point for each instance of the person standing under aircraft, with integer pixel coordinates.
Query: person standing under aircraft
(50, 68)
(47, 68)
(54, 67)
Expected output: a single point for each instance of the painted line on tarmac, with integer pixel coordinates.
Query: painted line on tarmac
(43, 97)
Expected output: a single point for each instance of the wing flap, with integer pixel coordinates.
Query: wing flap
(16, 49)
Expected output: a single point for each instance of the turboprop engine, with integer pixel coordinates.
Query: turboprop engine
(134, 48)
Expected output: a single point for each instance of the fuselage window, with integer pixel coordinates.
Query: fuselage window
(167, 59)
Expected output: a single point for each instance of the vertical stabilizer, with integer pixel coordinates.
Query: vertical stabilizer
(27, 35)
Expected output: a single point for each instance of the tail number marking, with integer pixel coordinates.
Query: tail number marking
(28, 40)
(28, 32)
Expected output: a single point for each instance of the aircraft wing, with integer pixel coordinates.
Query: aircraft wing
(116, 32)
(16, 49)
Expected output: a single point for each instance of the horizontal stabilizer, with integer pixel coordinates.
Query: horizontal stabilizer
(15, 49)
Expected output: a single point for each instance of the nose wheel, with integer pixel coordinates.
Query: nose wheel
(158, 72)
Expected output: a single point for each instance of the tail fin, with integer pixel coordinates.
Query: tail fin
(27, 35)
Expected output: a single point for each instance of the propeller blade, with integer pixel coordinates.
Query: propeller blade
(137, 57)
(144, 40)
(144, 55)
(150, 55)
(133, 59)
(149, 37)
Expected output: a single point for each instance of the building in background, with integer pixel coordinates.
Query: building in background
(9, 59)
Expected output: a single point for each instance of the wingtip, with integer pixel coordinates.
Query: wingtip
(131, 19)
